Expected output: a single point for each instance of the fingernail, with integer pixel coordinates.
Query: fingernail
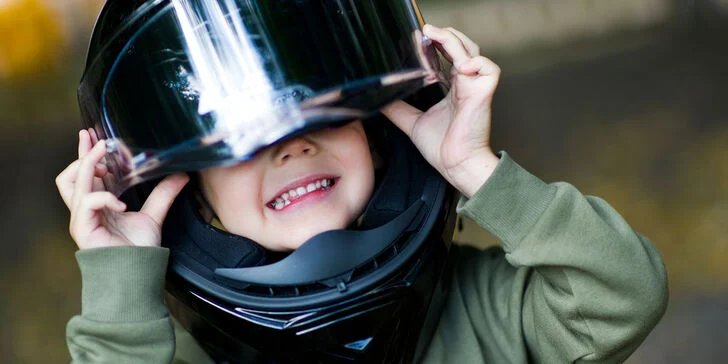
(430, 27)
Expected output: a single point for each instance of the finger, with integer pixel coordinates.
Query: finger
(479, 66)
(66, 180)
(443, 52)
(451, 44)
(94, 136)
(99, 200)
(472, 47)
(100, 170)
(83, 218)
(162, 197)
(88, 139)
(403, 115)
(68, 175)
(86, 170)
(84, 143)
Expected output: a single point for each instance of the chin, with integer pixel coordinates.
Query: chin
(291, 243)
(285, 247)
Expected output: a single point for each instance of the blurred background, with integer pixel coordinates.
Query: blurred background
(623, 98)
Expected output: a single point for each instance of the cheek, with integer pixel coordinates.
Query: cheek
(233, 192)
(352, 146)
(357, 159)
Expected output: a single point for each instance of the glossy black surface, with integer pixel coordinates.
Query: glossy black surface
(187, 84)
(391, 314)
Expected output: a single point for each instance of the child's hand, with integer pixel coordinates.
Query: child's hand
(454, 134)
(98, 218)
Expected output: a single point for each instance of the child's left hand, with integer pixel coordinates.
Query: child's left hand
(454, 134)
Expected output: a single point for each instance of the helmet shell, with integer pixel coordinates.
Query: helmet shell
(243, 305)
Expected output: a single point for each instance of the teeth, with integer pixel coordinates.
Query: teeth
(284, 199)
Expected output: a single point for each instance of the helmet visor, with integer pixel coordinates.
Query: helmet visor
(209, 82)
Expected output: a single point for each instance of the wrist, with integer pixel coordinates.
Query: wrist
(472, 173)
(122, 284)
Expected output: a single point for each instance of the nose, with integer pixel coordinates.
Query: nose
(293, 148)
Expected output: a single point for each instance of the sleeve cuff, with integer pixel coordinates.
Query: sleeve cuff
(123, 283)
(509, 203)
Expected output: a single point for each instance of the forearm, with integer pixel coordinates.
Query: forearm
(134, 342)
(597, 287)
(124, 319)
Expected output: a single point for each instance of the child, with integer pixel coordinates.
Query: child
(573, 282)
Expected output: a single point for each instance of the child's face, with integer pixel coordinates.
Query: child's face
(294, 190)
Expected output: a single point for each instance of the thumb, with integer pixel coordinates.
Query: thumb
(403, 115)
(162, 197)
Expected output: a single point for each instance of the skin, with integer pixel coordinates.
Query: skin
(241, 195)
(453, 136)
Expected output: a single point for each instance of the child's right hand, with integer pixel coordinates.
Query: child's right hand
(98, 218)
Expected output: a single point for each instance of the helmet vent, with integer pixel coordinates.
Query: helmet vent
(284, 291)
(382, 258)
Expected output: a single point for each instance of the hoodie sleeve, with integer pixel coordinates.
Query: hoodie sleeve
(579, 285)
(123, 317)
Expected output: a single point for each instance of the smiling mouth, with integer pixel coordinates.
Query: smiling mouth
(294, 194)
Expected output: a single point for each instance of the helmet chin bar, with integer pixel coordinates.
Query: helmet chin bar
(329, 257)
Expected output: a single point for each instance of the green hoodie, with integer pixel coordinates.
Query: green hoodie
(572, 283)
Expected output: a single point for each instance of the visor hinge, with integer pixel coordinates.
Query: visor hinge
(112, 145)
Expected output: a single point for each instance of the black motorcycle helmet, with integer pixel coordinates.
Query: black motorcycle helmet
(181, 85)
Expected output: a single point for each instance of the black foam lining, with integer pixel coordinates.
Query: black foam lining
(186, 232)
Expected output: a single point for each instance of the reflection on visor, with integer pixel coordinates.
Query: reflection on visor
(210, 82)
